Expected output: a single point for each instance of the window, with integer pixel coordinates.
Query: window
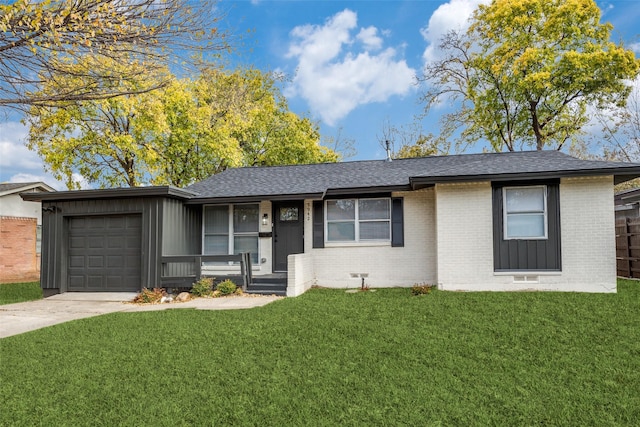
(289, 214)
(525, 212)
(231, 229)
(358, 220)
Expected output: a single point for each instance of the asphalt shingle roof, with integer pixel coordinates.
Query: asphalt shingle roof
(400, 173)
(8, 186)
(12, 187)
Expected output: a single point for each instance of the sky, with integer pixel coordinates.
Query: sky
(350, 65)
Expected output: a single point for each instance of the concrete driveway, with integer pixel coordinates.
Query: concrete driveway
(28, 316)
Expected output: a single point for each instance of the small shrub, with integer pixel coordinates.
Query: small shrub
(226, 287)
(423, 289)
(239, 291)
(203, 287)
(150, 296)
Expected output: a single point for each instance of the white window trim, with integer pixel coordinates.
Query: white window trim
(545, 213)
(230, 232)
(357, 221)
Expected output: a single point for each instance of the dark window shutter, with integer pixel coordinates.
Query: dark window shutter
(397, 222)
(318, 224)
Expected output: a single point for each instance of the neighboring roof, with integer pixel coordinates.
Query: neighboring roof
(110, 193)
(319, 180)
(7, 188)
(627, 196)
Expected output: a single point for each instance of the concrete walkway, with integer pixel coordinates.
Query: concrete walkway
(28, 316)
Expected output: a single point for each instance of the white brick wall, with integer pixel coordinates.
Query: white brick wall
(385, 266)
(464, 232)
(465, 244)
(588, 234)
(300, 275)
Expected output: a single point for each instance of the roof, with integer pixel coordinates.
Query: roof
(319, 180)
(364, 177)
(628, 196)
(7, 188)
(110, 193)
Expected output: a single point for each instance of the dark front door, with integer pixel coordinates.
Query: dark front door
(288, 232)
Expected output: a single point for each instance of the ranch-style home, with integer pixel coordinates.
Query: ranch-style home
(538, 220)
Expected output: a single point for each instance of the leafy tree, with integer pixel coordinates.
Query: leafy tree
(525, 71)
(50, 41)
(106, 141)
(177, 135)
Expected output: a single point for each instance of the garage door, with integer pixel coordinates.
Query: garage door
(104, 253)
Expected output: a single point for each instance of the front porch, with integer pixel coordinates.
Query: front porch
(181, 271)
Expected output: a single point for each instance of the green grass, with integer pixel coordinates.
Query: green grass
(18, 292)
(332, 358)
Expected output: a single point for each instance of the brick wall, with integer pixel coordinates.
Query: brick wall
(18, 259)
(587, 221)
(465, 230)
(385, 265)
(465, 244)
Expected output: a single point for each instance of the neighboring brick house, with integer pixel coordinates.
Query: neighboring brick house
(539, 220)
(20, 232)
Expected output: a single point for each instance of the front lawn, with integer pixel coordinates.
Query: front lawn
(19, 292)
(332, 358)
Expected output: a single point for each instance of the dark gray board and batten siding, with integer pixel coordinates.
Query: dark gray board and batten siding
(527, 255)
(166, 225)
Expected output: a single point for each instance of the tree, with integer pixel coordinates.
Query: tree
(409, 140)
(525, 71)
(176, 135)
(621, 128)
(106, 141)
(50, 42)
(231, 119)
(345, 147)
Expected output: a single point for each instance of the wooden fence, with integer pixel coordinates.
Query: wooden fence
(628, 247)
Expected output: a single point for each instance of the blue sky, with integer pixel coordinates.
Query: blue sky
(351, 64)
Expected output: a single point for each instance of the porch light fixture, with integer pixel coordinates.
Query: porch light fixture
(265, 219)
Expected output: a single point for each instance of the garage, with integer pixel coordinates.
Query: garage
(113, 239)
(104, 253)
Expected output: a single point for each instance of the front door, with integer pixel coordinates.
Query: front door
(288, 232)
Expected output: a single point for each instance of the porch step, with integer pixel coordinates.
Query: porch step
(282, 293)
(268, 286)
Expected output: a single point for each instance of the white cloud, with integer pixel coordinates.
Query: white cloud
(453, 15)
(19, 164)
(13, 152)
(334, 77)
(635, 47)
(369, 36)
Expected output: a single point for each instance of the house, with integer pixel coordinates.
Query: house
(627, 204)
(475, 222)
(20, 231)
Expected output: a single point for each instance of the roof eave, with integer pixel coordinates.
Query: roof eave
(28, 186)
(109, 193)
(253, 198)
(620, 175)
(366, 190)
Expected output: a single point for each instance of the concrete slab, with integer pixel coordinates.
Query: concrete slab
(28, 316)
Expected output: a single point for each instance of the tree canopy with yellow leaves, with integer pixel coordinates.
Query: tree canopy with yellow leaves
(50, 41)
(524, 73)
(175, 135)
